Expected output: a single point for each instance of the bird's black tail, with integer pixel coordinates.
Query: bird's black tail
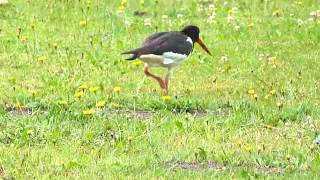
(134, 54)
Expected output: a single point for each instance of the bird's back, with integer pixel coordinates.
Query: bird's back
(164, 42)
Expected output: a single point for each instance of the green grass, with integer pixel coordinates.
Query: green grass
(268, 132)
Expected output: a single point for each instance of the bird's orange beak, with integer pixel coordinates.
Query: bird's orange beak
(204, 47)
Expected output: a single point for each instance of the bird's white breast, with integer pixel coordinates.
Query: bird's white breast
(167, 59)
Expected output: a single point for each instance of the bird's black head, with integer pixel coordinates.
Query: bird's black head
(191, 31)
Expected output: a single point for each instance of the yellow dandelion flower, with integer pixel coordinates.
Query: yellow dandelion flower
(250, 24)
(272, 60)
(124, 2)
(88, 2)
(251, 92)
(115, 105)
(277, 12)
(137, 62)
(122, 6)
(88, 112)
(29, 132)
(41, 59)
(130, 138)
(83, 86)
(279, 104)
(62, 102)
(33, 92)
(94, 89)
(312, 147)
(248, 148)
(79, 94)
(117, 89)
(272, 91)
(166, 98)
(23, 38)
(141, 2)
(268, 126)
(33, 25)
(83, 23)
(100, 104)
(238, 142)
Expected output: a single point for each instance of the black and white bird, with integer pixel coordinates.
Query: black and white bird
(168, 50)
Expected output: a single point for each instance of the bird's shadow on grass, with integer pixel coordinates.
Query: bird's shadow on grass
(216, 166)
(136, 113)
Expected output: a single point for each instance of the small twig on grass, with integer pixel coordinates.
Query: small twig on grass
(148, 131)
(139, 85)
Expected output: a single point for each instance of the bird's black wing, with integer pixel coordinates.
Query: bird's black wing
(139, 51)
(175, 42)
(153, 37)
(160, 43)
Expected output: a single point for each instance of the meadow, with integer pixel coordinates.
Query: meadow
(71, 107)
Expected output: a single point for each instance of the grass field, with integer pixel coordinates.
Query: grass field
(71, 107)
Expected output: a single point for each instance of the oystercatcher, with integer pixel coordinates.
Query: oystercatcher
(167, 49)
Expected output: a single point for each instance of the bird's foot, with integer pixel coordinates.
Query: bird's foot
(164, 86)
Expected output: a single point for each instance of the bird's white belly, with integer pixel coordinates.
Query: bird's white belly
(167, 59)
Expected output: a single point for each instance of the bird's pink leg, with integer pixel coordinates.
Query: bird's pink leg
(161, 82)
(167, 79)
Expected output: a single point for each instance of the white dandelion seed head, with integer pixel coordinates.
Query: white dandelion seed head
(212, 7)
(147, 22)
(300, 22)
(4, 2)
(179, 15)
(237, 27)
(164, 18)
(230, 18)
(224, 58)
